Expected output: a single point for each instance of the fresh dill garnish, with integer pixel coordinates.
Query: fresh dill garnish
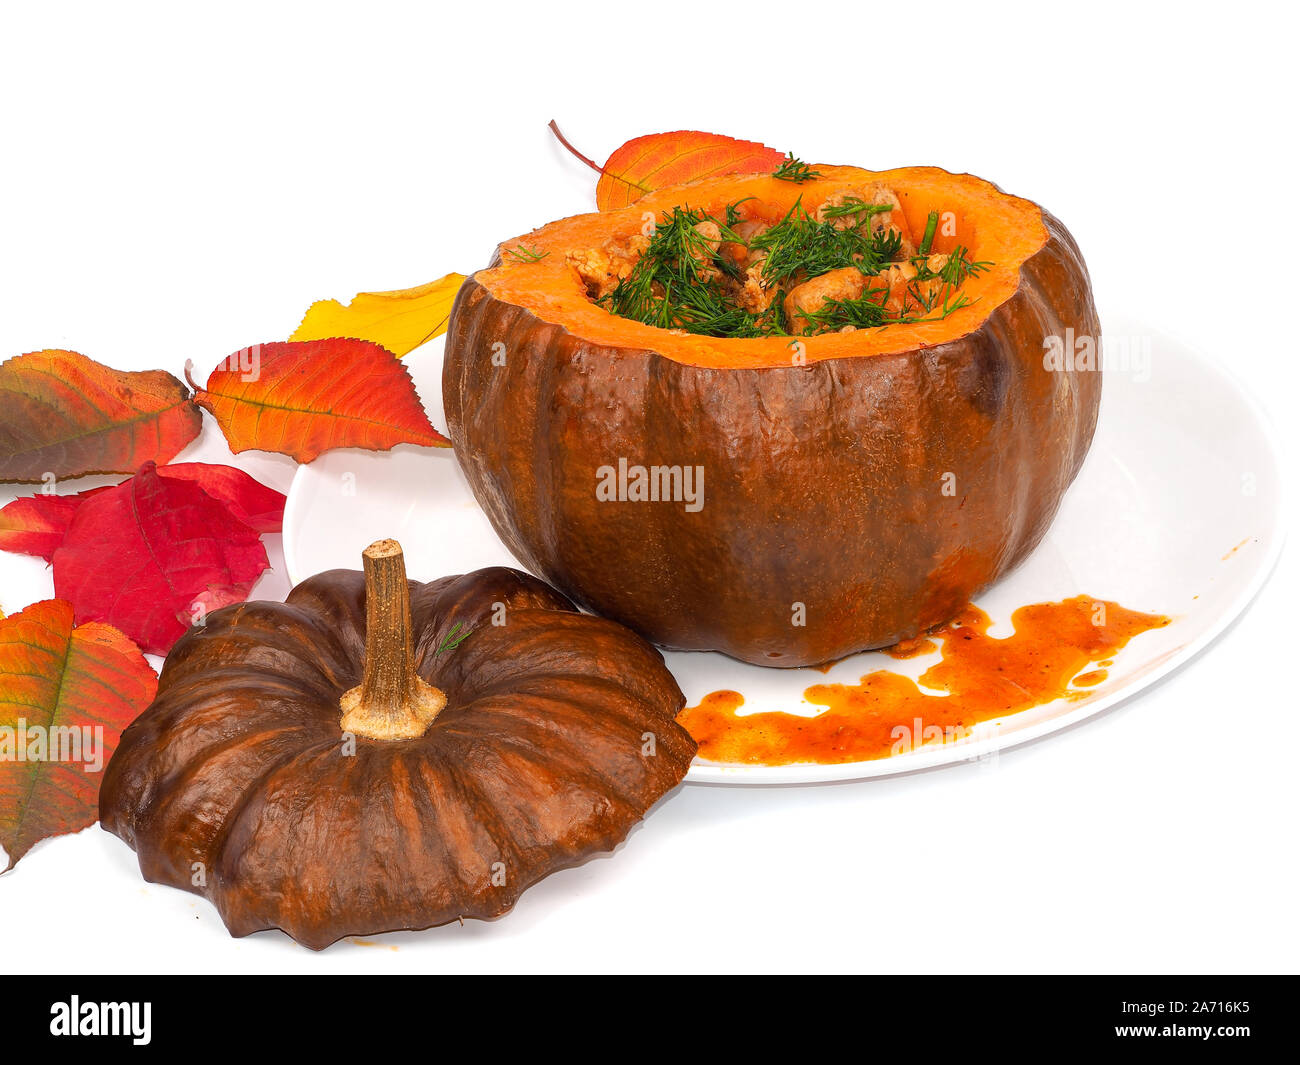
(856, 208)
(733, 212)
(929, 288)
(795, 170)
(959, 267)
(868, 311)
(862, 312)
(888, 244)
(675, 284)
(522, 253)
(682, 280)
(451, 641)
(800, 245)
(931, 227)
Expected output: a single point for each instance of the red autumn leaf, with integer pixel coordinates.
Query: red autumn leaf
(154, 554)
(302, 398)
(247, 499)
(662, 159)
(36, 525)
(64, 414)
(66, 694)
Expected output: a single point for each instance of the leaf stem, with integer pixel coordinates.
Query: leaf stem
(551, 125)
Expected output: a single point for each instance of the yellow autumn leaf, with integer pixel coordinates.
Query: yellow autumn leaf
(400, 321)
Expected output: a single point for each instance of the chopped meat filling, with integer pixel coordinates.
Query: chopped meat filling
(852, 262)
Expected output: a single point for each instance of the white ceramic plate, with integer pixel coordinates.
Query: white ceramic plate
(1176, 511)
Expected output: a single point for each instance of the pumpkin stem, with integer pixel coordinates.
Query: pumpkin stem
(392, 702)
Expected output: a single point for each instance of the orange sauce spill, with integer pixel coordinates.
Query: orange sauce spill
(984, 678)
(913, 648)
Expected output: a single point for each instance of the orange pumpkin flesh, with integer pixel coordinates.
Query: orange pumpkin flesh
(858, 487)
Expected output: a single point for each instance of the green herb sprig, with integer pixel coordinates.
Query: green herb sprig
(795, 170)
(681, 281)
(801, 246)
(931, 227)
(451, 641)
(521, 253)
(675, 284)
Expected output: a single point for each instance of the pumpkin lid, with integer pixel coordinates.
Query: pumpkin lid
(994, 226)
(377, 754)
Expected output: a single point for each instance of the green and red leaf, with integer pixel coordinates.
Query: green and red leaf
(65, 415)
(66, 684)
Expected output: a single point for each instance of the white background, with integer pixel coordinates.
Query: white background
(177, 184)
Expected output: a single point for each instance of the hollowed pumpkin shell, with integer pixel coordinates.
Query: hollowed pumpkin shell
(858, 487)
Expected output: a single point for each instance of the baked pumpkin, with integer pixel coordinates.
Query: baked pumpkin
(377, 754)
(787, 489)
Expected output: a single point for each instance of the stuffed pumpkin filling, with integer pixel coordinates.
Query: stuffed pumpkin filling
(849, 263)
(742, 270)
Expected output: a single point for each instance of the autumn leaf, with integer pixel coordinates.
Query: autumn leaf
(662, 159)
(153, 555)
(400, 321)
(307, 397)
(36, 525)
(66, 694)
(246, 498)
(65, 415)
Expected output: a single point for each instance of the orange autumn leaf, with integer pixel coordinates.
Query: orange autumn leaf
(302, 398)
(400, 321)
(661, 159)
(65, 415)
(66, 694)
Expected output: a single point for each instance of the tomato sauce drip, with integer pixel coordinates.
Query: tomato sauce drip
(985, 678)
